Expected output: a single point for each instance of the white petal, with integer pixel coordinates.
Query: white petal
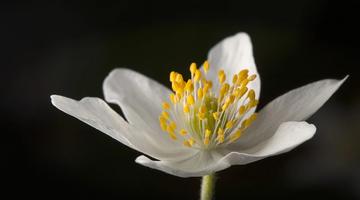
(288, 136)
(96, 113)
(199, 164)
(140, 98)
(232, 55)
(296, 105)
(136, 93)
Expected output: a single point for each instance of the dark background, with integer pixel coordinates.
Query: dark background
(68, 48)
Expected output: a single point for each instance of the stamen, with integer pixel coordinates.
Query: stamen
(208, 117)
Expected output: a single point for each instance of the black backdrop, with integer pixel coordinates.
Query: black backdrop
(68, 48)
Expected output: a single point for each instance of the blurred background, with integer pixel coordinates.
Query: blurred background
(68, 48)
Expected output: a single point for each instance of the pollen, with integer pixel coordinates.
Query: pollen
(205, 116)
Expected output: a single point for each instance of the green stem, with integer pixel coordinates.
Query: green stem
(207, 187)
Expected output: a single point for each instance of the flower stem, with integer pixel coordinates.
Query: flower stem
(207, 187)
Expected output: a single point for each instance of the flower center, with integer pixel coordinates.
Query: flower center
(206, 117)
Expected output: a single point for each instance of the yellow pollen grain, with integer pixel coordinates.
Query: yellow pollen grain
(206, 66)
(166, 105)
(193, 68)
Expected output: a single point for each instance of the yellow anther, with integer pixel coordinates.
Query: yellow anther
(251, 95)
(229, 124)
(242, 110)
(193, 68)
(224, 89)
(202, 112)
(221, 72)
(190, 100)
(162, 119)
(189, 86)
(253, 117)
(178, 96)
(163, 126)
(179, 78)
(165, 105)
(165, 114)
(189, 142)
(235, 136)
(225, 106)
(186, 108)
(242, 91)
(235, 77)
(206, 88)
(200, 93)
(206, 66)
(220, 137)
(252, 103)
(246, 123)
(243, 74)
(222, 77)
(183, 132)
(169, 129)
(230, 99)
(197, 76)
(202, 109)
(207, 137)
(201, 116)
(216, 115)
(172, 135)
(172, 76)
(244, 83)
(210, 83)
(252, 77)
(172, 125)
(220, 131)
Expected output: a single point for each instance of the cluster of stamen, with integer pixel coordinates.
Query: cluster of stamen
(206, 117)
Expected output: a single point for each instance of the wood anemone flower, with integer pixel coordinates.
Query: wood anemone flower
(205, 123)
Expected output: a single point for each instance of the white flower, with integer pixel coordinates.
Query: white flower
(209, 128)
